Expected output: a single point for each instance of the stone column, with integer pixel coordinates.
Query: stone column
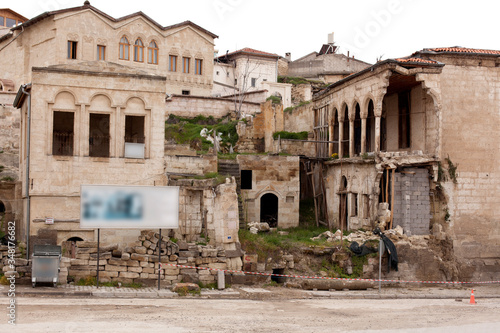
(341, 138)
(363, 135)
(330, 138)
(377, 134)
(351, 138)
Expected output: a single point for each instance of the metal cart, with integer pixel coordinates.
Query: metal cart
(45, 264)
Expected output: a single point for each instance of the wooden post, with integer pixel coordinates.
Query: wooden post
(386, 185)
(392, 197)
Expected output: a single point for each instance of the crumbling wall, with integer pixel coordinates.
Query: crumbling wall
(196, 165)
(192, 106)
(412, 201)
(259, 130)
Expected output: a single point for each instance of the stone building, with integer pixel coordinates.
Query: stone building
(248, 70)
(95, 87)
(420, 133)
(327, 65)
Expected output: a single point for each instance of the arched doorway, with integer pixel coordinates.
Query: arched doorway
(370, 128)
(269, 209)
(336, 132)
(345, 134)
(69, 247)
(357, 130)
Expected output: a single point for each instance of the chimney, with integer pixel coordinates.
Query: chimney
(288, 56)
(330, 38)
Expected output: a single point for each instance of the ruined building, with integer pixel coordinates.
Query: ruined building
(420, 133)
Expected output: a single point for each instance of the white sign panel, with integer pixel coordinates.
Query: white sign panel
(129, 207)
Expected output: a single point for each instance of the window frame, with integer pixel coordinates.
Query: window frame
(170, 62)
(137, 48)
(67, 149)
(121, 50)
(198, 68)
(72, 49)
(99, 49)
(153, 53)
(185, 61)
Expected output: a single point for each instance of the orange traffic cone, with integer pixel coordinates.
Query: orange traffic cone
(472, 299)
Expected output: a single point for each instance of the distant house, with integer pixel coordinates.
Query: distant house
(9, 19)
(326, 65)
(246, 71)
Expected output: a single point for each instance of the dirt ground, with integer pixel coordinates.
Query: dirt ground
(243, 315)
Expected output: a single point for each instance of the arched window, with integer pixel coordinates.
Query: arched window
(138, 50)
(153, 53)
(124, 48)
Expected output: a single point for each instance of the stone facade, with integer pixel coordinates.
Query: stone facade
(274, 192)
(86, 34)
(326, 67)
(417, 116)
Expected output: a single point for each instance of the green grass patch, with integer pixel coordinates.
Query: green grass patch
(274, 99)
(92, 281)
(291, 108)
(187, 131)
(291, 135)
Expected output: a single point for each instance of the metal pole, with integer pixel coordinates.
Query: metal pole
(98, 244)
(380, 246)
(27, 181)
(159, 260)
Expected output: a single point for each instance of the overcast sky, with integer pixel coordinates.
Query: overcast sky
(369, 29)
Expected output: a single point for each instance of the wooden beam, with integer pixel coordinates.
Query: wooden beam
(392, 197)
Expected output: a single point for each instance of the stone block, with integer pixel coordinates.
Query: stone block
(139, 257)
(117, 262)
(129, 275)
(84, 256)
(79, 262)
(135, 269)
(132, 263)
(112, 268)
(125, 256)
(140, 250)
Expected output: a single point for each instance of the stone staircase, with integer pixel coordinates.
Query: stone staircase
(232, 168)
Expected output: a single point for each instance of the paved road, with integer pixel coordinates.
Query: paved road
(56, 314)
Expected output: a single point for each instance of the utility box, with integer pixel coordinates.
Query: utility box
(45, 264)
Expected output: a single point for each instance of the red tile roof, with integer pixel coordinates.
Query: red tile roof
(416, 60)
(458, 49)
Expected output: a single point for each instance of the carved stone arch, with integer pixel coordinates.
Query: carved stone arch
(101, 102)
(364, 107)
(64, 99)
(73, 37)
(266, 191)
(126, 34)
(135, 104)
(352, 109)
(342, 111)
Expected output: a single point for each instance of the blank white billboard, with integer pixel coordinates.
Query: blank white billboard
(129, 207)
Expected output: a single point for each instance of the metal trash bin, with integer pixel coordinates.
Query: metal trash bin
(45, 264)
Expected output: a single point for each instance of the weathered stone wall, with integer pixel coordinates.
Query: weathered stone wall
(278, 175)
(192, 106)
(412, 201)
(10, 123)
(45, 43)
(56, 179)
(301, 93)
(470, 136)
(313, 66)
(261, 128)
(299, 119)
(362, 192)
(195, 165)
(294, 147)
